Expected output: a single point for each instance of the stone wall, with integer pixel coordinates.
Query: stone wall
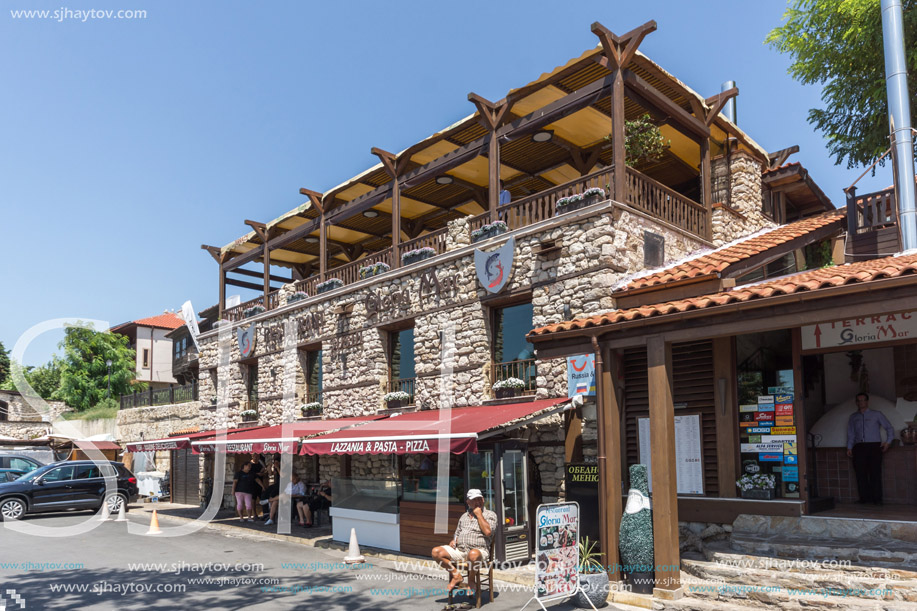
(157, 422)
(24, 430)
(738, 187)
(18, 408)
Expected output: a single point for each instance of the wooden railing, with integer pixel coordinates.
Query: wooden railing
(668, 205)
(642, 192)
(160, 396)
(314, 396)
(524, 370)
(404, 385)
(435, 240)
(876, 210)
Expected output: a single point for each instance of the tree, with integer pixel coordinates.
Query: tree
(46, 379)
(838, 44)
(4, 364)
(84, 375)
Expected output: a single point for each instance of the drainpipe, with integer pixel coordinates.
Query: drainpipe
(601, 459)
(899, 117)
(730, 109)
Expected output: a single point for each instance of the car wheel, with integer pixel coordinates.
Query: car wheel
(12, 509)
(114, 502)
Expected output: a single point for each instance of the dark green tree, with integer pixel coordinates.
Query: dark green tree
(838, 44)
(4, 364)
(45, 379)
(84, 375)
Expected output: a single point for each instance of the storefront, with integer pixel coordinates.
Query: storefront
(486, 448)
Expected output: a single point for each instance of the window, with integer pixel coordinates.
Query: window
(22, 465)
(146, 358)
(314, 376)
(181, 348)
(4, 411)
(251, 385)
(61, 474)
(778, 267)
(401, 362)
(87, 472)
(514, 356)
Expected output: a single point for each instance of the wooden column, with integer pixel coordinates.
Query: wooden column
(608, 422)
(220, 258)
(264, 234)
(617, 138)
(315, 198)
(491, 114)
(706, 186)
(222, 290)
(662, 442)
(395, 167)
(799, 417)
(724, 379)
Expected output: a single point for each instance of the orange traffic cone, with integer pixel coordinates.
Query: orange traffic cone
(154, 525)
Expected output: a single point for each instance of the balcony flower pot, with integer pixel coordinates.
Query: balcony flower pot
(757, 486)
(396, 399)
(328, 285)
(510, 387)
(311, 409)
(253, 311)
(249, 415)
(373, 270)
(413, 256)
(488, 231)
(580, 200)
(297, 296)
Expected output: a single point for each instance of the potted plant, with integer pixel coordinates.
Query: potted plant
(297, 296)
(419, 254)
(510, 387)
(374, 270)
(643, 142)
(329, 285)
(488, 231)
(399, 398)
(253, 311)
(592, 576)
(249, 415)
(311, 409)
(580, 200)
(636, 534)
(757, 486)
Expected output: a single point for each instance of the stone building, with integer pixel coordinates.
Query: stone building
(423, 274)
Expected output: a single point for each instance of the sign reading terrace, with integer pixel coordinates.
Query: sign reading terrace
(862, 330)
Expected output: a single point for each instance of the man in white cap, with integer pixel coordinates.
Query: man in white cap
(471, 541)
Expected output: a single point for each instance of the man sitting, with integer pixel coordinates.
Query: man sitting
(322, 500)
(295, 490)
(471, 541)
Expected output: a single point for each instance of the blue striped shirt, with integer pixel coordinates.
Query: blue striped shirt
(864, 427)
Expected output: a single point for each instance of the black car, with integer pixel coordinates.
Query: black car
(63, 486)
(10, 475)
(19, 462)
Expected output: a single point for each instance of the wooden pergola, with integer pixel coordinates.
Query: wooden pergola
(559, 133)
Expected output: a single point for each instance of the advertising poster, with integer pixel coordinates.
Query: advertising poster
(581, 375)
(689, 467)
(556, 550)
(582, 487)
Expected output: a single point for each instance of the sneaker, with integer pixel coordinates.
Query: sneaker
(265, 501)
(269, 522)
(250, 520)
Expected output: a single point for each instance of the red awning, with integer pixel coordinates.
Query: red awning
(425, 432)
(280, 438)
(182, 442)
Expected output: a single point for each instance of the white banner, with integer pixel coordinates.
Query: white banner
(863, 330)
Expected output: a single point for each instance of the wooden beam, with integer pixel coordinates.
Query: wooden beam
(301, 271)
(665, 486)
(248, 285)
(390, 161)
(254, 274)
(706, 186)
(608, 420)
(260, 229)
(778, 158)
(724, 379)
(617, 138)
(621, 49)
(491, 115)
(717, 102)
(314, 197)
(213, 250)
(322, 245)
(649, 93)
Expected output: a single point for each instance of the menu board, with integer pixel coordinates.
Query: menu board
(689, 462)
(556, 550)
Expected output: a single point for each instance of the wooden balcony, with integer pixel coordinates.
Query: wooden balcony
(524, 370)
(872, 224)
(643, 193)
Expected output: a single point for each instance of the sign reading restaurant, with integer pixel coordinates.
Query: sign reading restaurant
(897, 326)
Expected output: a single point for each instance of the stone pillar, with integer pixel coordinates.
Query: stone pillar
(458, 234)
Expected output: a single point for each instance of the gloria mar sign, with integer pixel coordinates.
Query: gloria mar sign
(896, 326)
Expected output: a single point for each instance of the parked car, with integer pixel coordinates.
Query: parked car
(65, 486)
(19, 462)
(10, 475)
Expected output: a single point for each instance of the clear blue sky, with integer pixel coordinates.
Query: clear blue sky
(126, 144)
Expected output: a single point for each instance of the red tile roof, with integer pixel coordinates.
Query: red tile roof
(167, 320)
(718, 260)
(827, 277)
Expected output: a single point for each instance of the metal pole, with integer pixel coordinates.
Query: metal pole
(730, 109)
(899, 117)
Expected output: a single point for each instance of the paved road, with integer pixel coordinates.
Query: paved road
(108, 568)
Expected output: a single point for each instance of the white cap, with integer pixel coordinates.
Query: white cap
(474, 493)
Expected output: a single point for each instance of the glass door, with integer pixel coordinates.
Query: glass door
(513, 514)
(481, 476)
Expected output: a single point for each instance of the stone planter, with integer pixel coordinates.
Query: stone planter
(506, 393)
(486, 235)
(640, 583)
(762, 494)
(595, 586)
(409, 260)
(395, 404)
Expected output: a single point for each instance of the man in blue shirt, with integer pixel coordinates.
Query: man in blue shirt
(865, 446)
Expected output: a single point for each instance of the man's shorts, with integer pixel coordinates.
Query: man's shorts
(459, 556)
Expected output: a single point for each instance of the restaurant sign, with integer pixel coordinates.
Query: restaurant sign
(391, 445)
(556, 551)
(860, 330)
(155, 446)
(262, 447)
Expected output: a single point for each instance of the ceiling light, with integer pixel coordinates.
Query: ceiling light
(312, 239)
(445, 179)
(544, 135)
(370, 214)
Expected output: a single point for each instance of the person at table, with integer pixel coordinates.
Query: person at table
(471, 541)
(295, 491)
(321, 500)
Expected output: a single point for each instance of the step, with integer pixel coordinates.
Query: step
(780, 601)
(826, 528)
(886, 553)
